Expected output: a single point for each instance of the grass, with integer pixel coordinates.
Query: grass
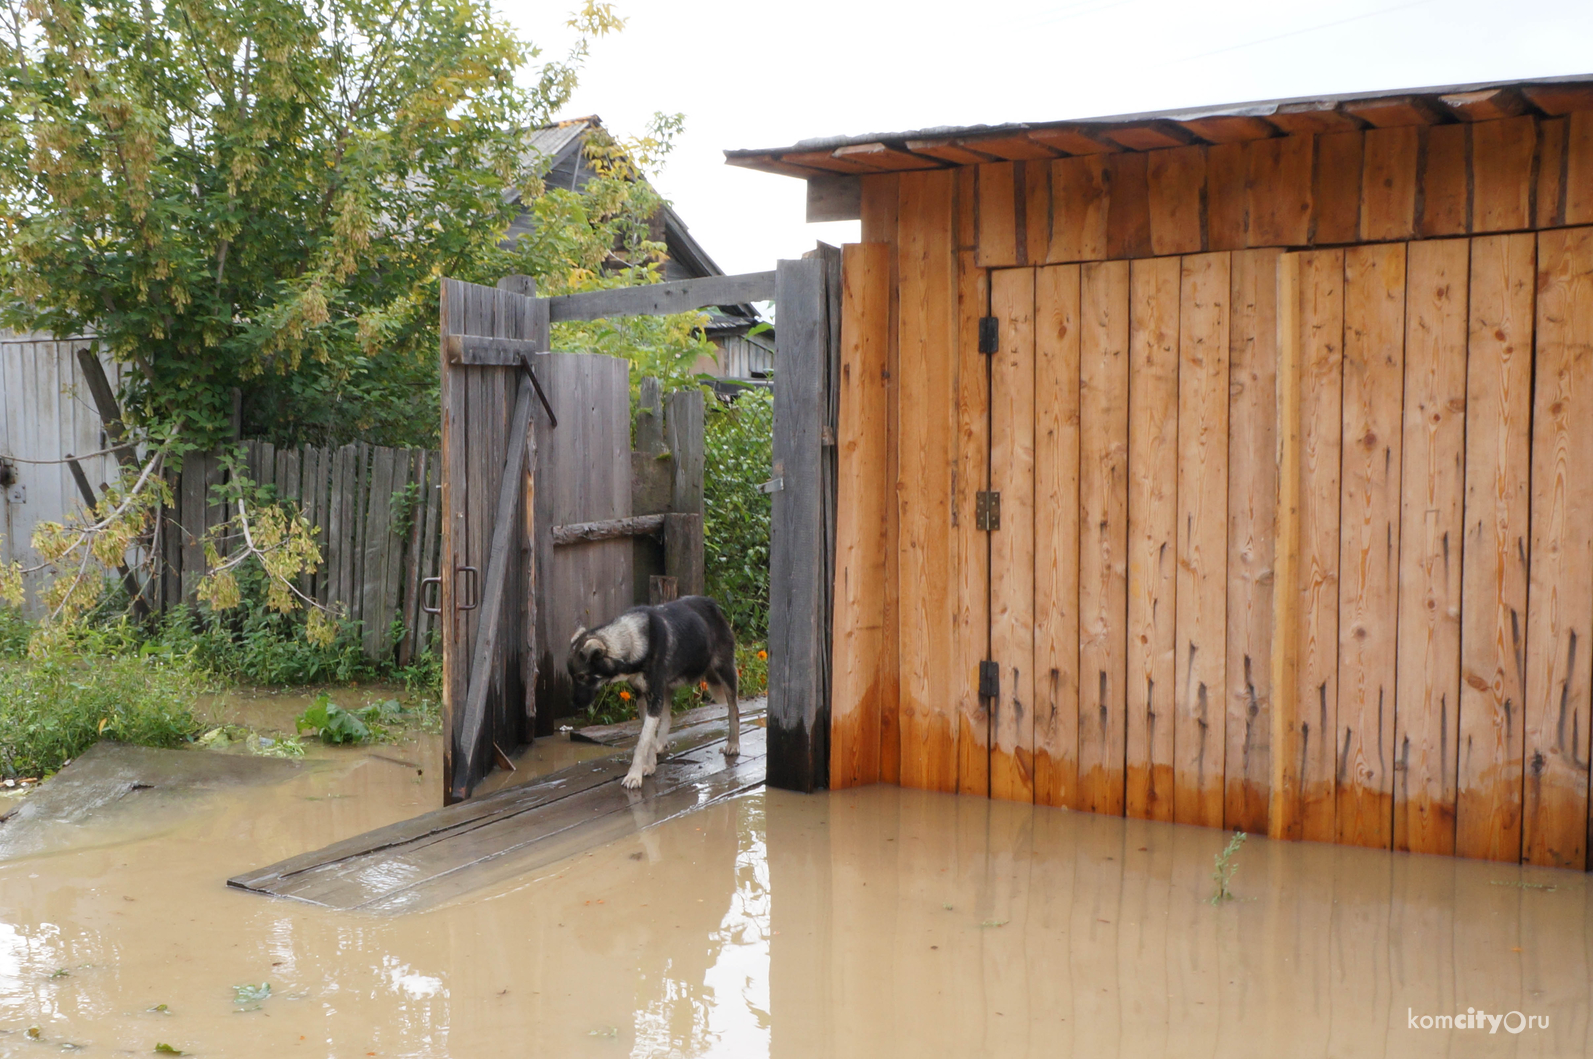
(111, 678)
(1223, 875)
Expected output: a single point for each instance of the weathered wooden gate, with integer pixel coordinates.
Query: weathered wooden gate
(534, 461)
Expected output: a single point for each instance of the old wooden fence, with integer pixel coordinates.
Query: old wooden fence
(375, 510)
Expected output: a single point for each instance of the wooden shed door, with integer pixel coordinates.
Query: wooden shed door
(1130, 412)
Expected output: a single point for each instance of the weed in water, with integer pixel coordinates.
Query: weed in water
(1226, 867)
(166, 1049)
(337, 726)
(249, 997)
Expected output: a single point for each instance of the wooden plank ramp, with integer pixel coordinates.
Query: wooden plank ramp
(447, 853)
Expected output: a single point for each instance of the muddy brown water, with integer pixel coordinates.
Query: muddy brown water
(877, 922)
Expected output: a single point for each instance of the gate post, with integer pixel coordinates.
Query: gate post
(801, 536)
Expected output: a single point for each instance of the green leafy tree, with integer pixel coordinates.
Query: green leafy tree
(263, 195)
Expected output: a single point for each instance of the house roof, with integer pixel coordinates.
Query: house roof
(939, 147)
(557, 147)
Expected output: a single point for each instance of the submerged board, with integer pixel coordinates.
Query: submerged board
(445, 854)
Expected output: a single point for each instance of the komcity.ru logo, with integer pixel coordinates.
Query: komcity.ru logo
(1476, 1019)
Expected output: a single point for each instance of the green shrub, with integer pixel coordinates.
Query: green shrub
(53, 709)
(736, 512)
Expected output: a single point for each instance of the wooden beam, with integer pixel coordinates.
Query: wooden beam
(1322, 116)
(1072, 141)
(608, 529)
(1486, 105)
(1151, 136)
(1230, 128)
(799, 721)
(659, 299)
(683, 557)
(1014, 147)
(1559, 100)
(826, 161)
(834, 198)
(885, 159)
(1283, 796)
(494, 590)
(1397, 110)
(948, 150)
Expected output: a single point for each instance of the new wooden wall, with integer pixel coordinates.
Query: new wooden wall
(1287, 434)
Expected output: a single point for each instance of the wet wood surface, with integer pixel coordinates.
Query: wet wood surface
(446, 853)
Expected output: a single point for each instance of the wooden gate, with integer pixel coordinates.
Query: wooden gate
(521, 476)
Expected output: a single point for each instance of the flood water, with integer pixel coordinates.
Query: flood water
(865, 923)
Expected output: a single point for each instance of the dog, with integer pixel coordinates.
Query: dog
(655, 650)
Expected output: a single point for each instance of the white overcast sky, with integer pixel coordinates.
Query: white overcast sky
(753, 74)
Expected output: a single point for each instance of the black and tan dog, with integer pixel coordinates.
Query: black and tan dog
(655, 650)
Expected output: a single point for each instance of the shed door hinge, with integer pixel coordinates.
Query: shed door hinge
(987, 510)
(989, 334)
(989, 681)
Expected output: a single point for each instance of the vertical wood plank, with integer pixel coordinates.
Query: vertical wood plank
(1374, 332)
(1433, 444)
(1321, 329)
(973, 543)
(1283, 797)
(1152, 535)
(1176, 180)
(1056, 535)
(926, 265)
(1336, 201)
(1078, 208)
(1103, 534)
(454, 411)
(1494, 556)
(1200, 658)
(998, 236)
(1278, 187)
(1549, 197)
(1227, 203)
(1444, 199)
(862, 496)
(1579, 168)
(1128, 207)
(1501, 174)
(1252, 504)
(1560, 589)
(1012, 570)
(1036, 211)
(1388, 183)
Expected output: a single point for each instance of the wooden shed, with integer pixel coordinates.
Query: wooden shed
(1230, 467)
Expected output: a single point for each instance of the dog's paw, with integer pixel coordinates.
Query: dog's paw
(631, 781)
(731, 750)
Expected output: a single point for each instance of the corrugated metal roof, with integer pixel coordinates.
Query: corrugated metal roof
(942, 146)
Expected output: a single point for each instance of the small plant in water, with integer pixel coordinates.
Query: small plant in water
(1226, 867)
(249, 994)
(338, 726)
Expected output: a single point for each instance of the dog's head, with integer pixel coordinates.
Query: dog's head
(586, 655)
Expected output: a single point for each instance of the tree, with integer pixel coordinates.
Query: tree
(262, 195)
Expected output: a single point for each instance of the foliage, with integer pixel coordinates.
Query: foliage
(337, 726)
(752, 669)
(263, 194)
(736, 512)
(1225, 867)
(53, 708)
(256, 645)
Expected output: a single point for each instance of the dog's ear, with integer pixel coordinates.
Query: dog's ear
(577, 637)
(591, 648)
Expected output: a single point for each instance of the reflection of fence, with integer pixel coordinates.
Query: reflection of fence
(376, 513)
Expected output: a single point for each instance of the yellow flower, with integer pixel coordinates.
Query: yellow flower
(763, 654)
(625, 696)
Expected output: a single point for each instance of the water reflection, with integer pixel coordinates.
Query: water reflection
(868, 923)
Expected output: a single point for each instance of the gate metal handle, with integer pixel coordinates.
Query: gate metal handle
(475, 587)
(430, 581)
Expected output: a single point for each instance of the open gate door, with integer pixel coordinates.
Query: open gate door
(488, 582)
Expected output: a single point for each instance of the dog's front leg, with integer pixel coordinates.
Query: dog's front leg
(645, 760)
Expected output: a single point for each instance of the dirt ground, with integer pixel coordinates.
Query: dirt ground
(864, 923)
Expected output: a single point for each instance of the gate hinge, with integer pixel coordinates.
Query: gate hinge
(989, 681)
(989, 334)
(987, 510)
